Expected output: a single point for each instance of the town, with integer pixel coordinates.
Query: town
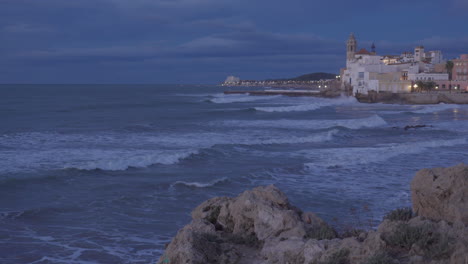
(418, 77)
(416, 71)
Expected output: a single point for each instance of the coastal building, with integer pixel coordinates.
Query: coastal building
(460, 68)
(435, 57)
(419, 54)
(351, 47)
(428, 76)
(459, 80)
(232, 80)
(366, 71)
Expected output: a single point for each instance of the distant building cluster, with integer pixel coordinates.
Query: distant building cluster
(283, 83)
(366, 71)
(232, 79)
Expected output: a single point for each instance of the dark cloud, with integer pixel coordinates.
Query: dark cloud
(204, 40)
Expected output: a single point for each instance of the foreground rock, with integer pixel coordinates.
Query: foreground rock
(442, 194)
(260, 226)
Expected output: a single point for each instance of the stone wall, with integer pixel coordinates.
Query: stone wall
(414, 98)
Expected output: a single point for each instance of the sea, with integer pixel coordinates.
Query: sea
(110, 173)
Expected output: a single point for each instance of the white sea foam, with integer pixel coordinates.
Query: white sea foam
(316, 103)
(320, 137)
(239, 98)
(435, 108)
(115, 151)
(366, 155)
(200, 184)
(122, 160)
(368, 122)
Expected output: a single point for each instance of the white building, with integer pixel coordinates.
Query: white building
(366, 71)
(426, 76)
(419, 54)
(232, 79)
(435, 56)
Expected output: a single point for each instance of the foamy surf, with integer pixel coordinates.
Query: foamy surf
(316, 104)
(359, 156)
(435, 108)
(368, 122)
(29, 152)
(200, 184)
(240, 98)
(89, 159)
(122, 160)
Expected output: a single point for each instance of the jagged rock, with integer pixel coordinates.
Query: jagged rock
(260, 226)
(441, 193)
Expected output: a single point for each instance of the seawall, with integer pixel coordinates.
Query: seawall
(414, 98)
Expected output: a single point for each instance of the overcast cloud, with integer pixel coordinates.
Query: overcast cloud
(203, 41)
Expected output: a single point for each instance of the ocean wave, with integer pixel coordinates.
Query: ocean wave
(123, 160)
(368, 122)
(240, 98)
(30, 152)
(35, 213)
(88, 159)
(200, 184)
(320, 137)
(435, 108)
(317, 104)
(359, 156)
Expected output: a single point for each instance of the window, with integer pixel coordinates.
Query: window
(361, 75)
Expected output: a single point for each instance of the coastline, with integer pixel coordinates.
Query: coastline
(426, 98)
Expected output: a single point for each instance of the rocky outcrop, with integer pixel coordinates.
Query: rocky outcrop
(260, 226)
(442, 194)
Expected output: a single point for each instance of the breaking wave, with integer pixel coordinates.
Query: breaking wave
(116, 161)
(200, 184)
(239, 98)
(368, 122)
(30, 152)
(366, 155)
(435, 108)
(319, 103)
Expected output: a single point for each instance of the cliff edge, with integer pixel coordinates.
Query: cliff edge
(260, 226)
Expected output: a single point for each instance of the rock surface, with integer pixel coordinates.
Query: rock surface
(260, 226)
(441, 194)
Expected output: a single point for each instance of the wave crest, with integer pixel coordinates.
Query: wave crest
(200, 184)
(308, 107)
(368, 122)
(116, 161)
(435, 108)
(240, 98)
(358, 156)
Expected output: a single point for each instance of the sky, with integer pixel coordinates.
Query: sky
(204, 41)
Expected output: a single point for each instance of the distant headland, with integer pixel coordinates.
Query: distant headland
(311, 80)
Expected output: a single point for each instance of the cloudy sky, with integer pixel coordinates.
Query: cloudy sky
(203, 41)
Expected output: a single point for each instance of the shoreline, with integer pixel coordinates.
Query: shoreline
(427, 98)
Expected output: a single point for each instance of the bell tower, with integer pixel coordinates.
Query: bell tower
(351, 47)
